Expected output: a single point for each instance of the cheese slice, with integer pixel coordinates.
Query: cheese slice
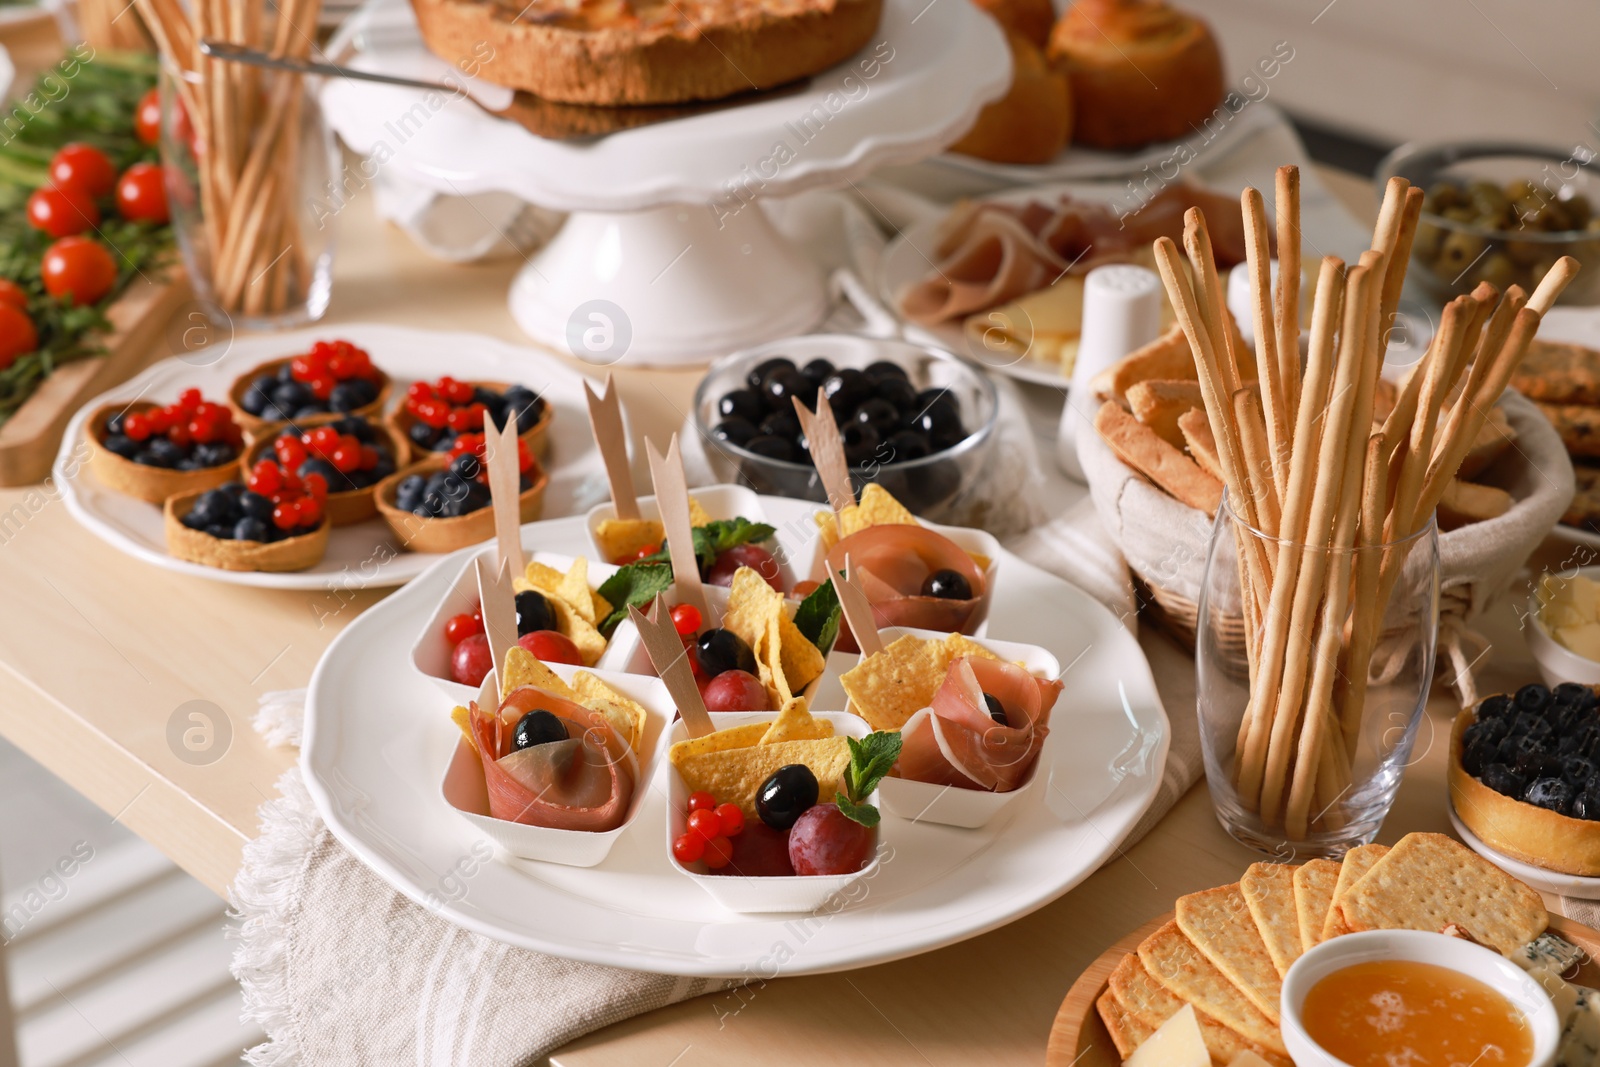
(1246, 1058)
(1547, 952)
(1580, 1038)
(1176, 1044)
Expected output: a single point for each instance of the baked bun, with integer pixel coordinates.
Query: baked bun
(1140, 71)
(1029, 18)
(1032, 122)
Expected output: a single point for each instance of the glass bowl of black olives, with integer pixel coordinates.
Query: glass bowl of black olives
(916, 420)
(1501, 212)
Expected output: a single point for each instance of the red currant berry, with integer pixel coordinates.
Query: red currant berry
(719, 853)
(730, 818)
(701, 801)
(686, 619)
(688, 848)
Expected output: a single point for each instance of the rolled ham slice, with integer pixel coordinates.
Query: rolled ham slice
(890, 563)
(955, 741)
(583, 783)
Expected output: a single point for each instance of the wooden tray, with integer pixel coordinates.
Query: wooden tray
(1079, 1038)
(30, 439)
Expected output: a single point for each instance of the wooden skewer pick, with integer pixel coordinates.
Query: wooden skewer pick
(857, 611)
(505, 488)
(499, 607)
(605, 419)
(672, 500)
(827, 451)
(671, 662)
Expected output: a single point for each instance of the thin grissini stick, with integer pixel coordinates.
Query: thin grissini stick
(1258, 464)
(1399, 253)
(1366, 619)
(1288, 302)
(1319, 375)
(1391, 219)
(1557, 278)
(1442, 357)
(1274, 405)
(1359, 286)
(1212, 299)
(1397, 429)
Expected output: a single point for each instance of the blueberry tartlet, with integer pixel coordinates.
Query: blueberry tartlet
(1525, 775)
(434, 414)
(153, 451)
(351, 453)
(275, 522)
(333, 378)
(443, 503)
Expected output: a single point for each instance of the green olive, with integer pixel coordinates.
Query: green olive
(1443, 195)
(1462, 213)
(1456, 254)
(1523, 253)
(1493, 268)
(1425, 246)
(1521, 189)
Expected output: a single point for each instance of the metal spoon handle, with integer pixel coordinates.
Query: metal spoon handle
(235, 53)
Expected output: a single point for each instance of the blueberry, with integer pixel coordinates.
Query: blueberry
(1577, 770)
(860, 443)
(126, 447)
(152, 456)
(250, 530)
(285, 372)
(878, 413)
(1586, 805)
(234, 489)
(723, 650)
(534, 612)
(490, 399)
(258, 395)
(221, 531)
(817, 371)
(948, 585)
(422, 435)
(759, 372)
(743, 404)
(899, 392)
(1504, 780)
(537, 728)
(528, 406)
(408, 494)
(734, 431)
(786, 795)
(309, 411)
(383, 468)
(193, 521)
(187, 463)
(1473, 732)
(997, 710)
(1551, 794)
(781, 387)
(1538, 765)
(213, 506)
(318, 465)
(1533, 697)
(214, 454)
(477, 496)
(780, 424)
(466, 466)
(846, 390)
(772, 447)
(1571, 694)
(1495, 707)
(291, 396)
(255, 506)
(1475, 755)
(907, 445)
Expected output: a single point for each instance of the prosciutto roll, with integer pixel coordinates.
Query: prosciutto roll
(890, 564)
(955, 741)
(585, 782)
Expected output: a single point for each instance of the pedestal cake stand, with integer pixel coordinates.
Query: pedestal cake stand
(667, 257)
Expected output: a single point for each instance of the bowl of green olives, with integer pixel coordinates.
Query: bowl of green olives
(1501, 212)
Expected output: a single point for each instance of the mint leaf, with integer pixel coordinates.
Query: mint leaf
(715, 538)
(818, 616)
(871, 757)
(633, 586)
(865, 814)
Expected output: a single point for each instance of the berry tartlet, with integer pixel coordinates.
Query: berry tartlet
(153, 451)
(352, 454)
(276, 522)
(434, 414)
(1525, 775)
(333, 378)
(443, 503)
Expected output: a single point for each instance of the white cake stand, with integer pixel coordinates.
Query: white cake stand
(667, 257)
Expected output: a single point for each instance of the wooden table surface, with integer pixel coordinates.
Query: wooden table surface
(98, 652)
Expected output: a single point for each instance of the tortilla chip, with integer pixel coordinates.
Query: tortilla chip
(796, 723)
(621, 539)
(720, 741)
(582, 634)
(827, 529)
(697, 514)
(735, 775)
(463, 720)
(524, 668)
(877, 507)
(625, 715)
(787, 662)
(888, 688)
(572, 587)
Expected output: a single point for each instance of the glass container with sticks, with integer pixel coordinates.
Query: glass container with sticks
(250, 162)
(1319, 609)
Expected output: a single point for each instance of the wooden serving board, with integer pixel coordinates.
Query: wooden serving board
(30, 438)
(1079, 1039)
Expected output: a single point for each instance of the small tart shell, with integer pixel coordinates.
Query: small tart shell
(253, 423)
(151, 484)
(291, 554)
(1521, 830)
(344, 508)
(423, 534)
(537, 435)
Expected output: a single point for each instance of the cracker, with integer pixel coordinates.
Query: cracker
(1148, 1003)
(1167, 357)
(1158, 404)
(1219, 923)
(1127, 1032)
(1196, 430)
(1142, 448)
(1268, 890)
(1429, 880)
(1357, 862)
(1172, 960)
(1314, 882)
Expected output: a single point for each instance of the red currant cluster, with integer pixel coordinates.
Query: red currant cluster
(447, 403)
(296, 502)
(329, 363)
(189, 421)
(473, 444)
(344, 452)
(710, 827)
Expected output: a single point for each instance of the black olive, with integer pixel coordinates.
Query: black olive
(899, 392)
(948, 584)
(882, 369)
(724, 650)
(785, 795)
(846, 391)
(734, 431)
(759, 372)
(743, 404)
(817, 372)
(860, 443)
(534, 612)
(907, 445)
(537, 728)
(785, 383)
(772, 447)
(879, 414)
(781, 424)
(997, 710)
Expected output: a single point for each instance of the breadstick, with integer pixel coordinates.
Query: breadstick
(1288, 305)
(1258, 254)
(1367, 616)
(1557, 278)
(1258, 464)
(1211, 296)
(1437, 366)
(1399, 253)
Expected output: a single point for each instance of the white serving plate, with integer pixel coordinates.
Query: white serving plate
(464, 791)
(376, 738)
(365, 555)
(764, 895)
(1566, 885)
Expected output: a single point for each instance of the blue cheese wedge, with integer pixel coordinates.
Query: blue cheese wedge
(1547, 952)
(1580, 1037)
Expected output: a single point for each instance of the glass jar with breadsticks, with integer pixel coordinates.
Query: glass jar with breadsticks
(1331, 568)
(250, 162)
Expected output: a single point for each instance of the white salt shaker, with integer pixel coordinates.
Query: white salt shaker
(1121, 312)
(1242, 300)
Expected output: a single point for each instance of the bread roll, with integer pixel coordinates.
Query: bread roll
(1028, 18)
(1140, 71)
(1032, 122)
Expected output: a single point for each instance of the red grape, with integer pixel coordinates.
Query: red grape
(825, 841)
(756, 558)
(758, 852)
(471, 662)
(736, 691)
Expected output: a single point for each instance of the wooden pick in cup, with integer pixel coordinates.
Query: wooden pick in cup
(672, 500)
(605, 419)
(505, 489)
(498, 606)
(671, 661)
(827, 451)
(857, 610)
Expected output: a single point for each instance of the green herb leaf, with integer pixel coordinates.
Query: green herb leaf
(633, 586)
(818, 617)
(865, 814)
(715, 538)
(871, 757)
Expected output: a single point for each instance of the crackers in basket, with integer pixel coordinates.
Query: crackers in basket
(1227, 950)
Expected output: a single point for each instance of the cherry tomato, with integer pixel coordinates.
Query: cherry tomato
(13, 294)
(18, 336)
(719, 853)
(700, 800)
(79, 267)
(736, 691)
(142, 194)
(805, 589)
(756, 558)
(461, 626)
(147, 118)
(551, 647)
(83, 167)
(731, 819)
(688, 848)
(61, 212)
(471, 662)
(685, 619)
(647, 550)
